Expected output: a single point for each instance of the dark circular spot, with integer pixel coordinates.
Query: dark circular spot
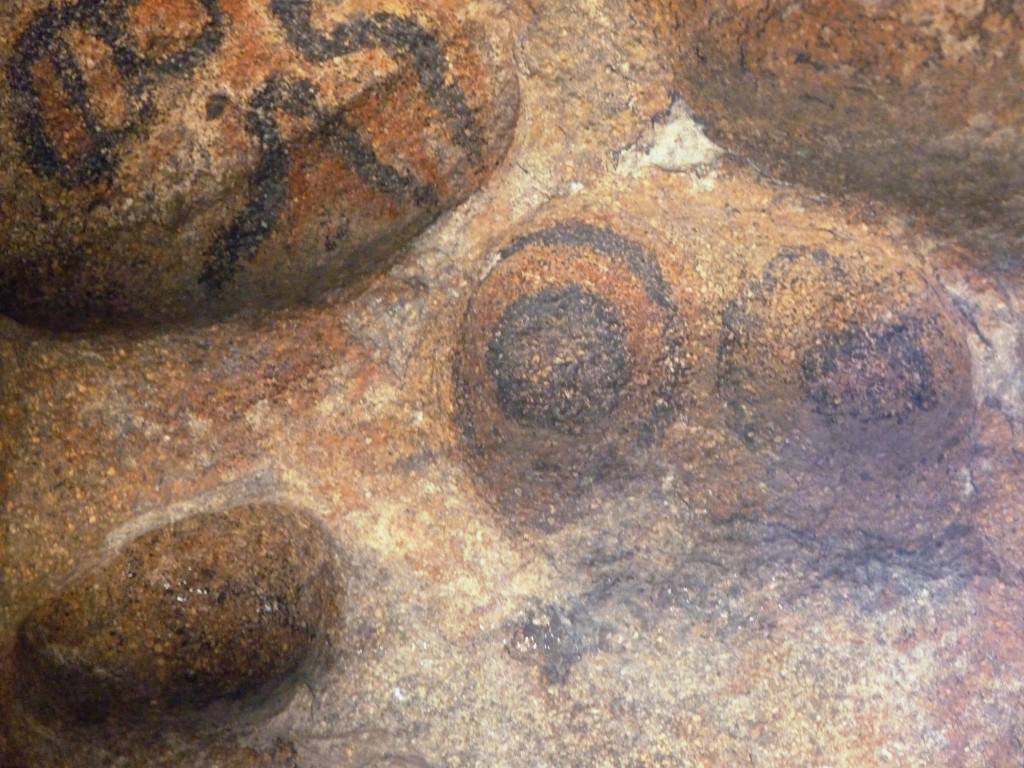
(216, 104)
(846, 364)
(870, 375)
(560, 360)
(571, 364)
(553, 639)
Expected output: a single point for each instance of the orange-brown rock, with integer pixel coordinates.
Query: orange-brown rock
(917, 103)
(176, 161)
(209, 616)
(570, 363)
(638, 457)
(845, 359)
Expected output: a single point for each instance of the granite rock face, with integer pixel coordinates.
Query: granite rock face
(646, 452)
(173, 161)
(847, 355)
(913, 102)
(569, 365)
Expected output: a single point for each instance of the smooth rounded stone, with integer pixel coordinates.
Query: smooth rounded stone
(913, 102)
(213, 617)
(171, 161)
(569, 365)
(858, 357)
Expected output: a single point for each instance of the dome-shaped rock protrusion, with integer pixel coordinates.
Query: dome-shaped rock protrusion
(569, 365)
(917, 103)
(177, 161)
(218, 614)
(824, 357)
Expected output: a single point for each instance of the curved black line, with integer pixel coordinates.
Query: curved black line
(268, 191)
(31, 46)
(400, 37)
(671, 367)
(371, 170)
(607, 243)
(41, 38)
(739, 324)
(242, 239)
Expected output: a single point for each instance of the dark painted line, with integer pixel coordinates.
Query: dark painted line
(606, 243)
(401, 38)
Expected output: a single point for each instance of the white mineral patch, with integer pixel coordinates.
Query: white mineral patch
(674, 144)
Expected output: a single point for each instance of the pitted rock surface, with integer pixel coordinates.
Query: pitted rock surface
(646, 452)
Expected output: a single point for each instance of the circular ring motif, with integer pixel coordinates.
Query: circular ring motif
(819, 356)
(570, 360)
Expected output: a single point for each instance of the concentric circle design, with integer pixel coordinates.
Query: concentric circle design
(570, 360)
(823, 354)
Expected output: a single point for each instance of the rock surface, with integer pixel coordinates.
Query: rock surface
(637, 457)
(570, 364)
(204, 617)
(175, 161)
(913, 102)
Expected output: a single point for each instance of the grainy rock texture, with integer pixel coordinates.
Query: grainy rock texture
(637, 456)
(214, 612)
(569, 366)
(912, 102)
(178, 160)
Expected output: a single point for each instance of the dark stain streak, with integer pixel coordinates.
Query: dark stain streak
(400, 38)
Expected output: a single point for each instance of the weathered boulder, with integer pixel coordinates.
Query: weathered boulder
(176, 161)
(207, 617)
(917, 103)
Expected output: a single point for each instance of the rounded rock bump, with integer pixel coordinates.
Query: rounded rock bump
(249, 159)
(559, 359)
(570, 361)
(209, 619)
(915, 104)
(824, 354)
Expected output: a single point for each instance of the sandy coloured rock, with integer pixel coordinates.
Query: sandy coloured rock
(639, 456)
